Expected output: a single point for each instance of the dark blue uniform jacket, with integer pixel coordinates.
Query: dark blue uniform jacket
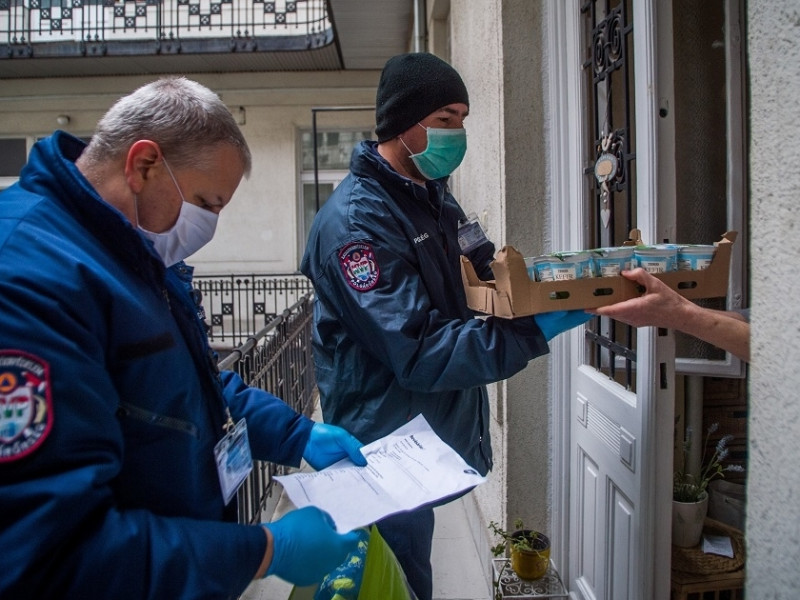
(108, 484)
(393, 334)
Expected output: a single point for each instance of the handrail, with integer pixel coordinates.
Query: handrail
(278, 359)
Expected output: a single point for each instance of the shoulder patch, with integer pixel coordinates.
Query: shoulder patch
(26, 407)
(359, 266)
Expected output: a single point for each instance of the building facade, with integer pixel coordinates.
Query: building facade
(698, 104)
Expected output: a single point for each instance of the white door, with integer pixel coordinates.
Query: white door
(616, 78)
(620, 392)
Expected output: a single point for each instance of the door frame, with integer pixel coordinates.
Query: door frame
(655, 353)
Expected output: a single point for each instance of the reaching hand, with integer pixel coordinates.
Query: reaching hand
(553, 323)
(659, 306)
(306, 547)
(329, 444)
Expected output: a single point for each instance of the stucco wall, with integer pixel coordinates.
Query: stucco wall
(258, 231)
(773, 509)
(497, 49)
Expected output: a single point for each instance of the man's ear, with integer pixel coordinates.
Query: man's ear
(142, 156)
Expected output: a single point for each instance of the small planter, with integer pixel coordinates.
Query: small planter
(687, 522)
(530, 564)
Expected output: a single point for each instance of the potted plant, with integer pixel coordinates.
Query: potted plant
(690, 491)
(530, 549)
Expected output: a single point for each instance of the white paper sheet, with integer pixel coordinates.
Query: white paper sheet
(408, 468)
(718, 544)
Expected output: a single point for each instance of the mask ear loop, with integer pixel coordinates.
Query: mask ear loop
(136, 210)
(410, 153)
(175, 181)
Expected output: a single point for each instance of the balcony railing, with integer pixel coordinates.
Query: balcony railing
(238, 306)
(276, 359)
(61, 28)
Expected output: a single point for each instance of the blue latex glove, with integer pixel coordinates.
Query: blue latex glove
(553, 323)
(306, 547)
(328, 444)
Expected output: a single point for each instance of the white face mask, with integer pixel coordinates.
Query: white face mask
(194, 229)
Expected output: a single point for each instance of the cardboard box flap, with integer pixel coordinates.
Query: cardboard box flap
(483, 296)
(511, 275)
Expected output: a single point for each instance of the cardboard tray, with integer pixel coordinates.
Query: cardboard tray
(513, 294)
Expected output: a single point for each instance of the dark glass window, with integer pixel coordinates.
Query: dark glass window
(13, 155)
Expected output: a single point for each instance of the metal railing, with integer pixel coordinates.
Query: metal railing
(89, 24)
(276, 359)
(238, 306)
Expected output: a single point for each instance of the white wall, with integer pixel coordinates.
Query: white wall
(497, 47)
(773, 484)
(258, 232)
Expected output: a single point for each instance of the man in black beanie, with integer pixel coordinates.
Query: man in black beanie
(393, 334)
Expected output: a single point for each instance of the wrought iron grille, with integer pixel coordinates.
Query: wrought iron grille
(238, 306)
(27, 22)
(277, 359)
(608, 77)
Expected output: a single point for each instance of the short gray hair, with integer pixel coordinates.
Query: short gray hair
(182, 116)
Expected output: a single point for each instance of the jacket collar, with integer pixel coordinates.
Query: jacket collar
(52, 173)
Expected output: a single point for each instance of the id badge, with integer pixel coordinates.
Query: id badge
(470, 234)
(234, 461)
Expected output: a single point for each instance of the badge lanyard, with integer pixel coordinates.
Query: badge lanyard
(470, 233)
(234, 461)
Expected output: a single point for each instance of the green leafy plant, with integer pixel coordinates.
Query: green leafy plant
(520, 539)
(688, 487)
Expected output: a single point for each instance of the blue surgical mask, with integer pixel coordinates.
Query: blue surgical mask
(194, 229)
(445, 151)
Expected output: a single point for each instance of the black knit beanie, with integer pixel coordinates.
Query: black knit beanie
(411, 87)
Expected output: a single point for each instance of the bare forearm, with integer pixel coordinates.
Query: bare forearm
(661, 306)
(722, 329)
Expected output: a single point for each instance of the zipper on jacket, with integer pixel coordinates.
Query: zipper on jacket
(140, 414)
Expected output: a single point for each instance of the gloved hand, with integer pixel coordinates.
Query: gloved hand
(306, 547)
(328, 444)
(553, 323)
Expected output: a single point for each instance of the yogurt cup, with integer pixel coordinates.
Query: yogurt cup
(608, 262)
(661, 258)
(695, 257)
(539, 268)
(571, 265)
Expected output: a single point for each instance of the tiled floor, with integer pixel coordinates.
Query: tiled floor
(458, 573)
(457, 570)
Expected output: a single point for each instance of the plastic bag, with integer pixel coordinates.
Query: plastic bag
(371, 572)
(383, 576)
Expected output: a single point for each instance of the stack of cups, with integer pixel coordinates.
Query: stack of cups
(611, 261)
(661, 258)
(571, 265)
(539, 268)
(695, 257)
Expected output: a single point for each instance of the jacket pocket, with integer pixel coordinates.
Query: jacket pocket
(126, 410)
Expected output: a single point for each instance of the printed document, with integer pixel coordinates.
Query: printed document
(408, 468)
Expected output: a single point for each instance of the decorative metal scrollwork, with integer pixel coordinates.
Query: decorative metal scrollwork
(608, 44)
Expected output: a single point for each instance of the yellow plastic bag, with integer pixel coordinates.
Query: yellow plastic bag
(371, 572)
(383, 577)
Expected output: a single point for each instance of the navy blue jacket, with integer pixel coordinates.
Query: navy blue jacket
(108, 484)
(393, 335)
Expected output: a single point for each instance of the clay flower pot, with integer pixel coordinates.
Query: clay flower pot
(530, 564)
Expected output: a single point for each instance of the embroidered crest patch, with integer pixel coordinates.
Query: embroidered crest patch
(26, 410)
(359, 266)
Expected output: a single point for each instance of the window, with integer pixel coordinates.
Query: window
(13, 155)
(333, 163)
